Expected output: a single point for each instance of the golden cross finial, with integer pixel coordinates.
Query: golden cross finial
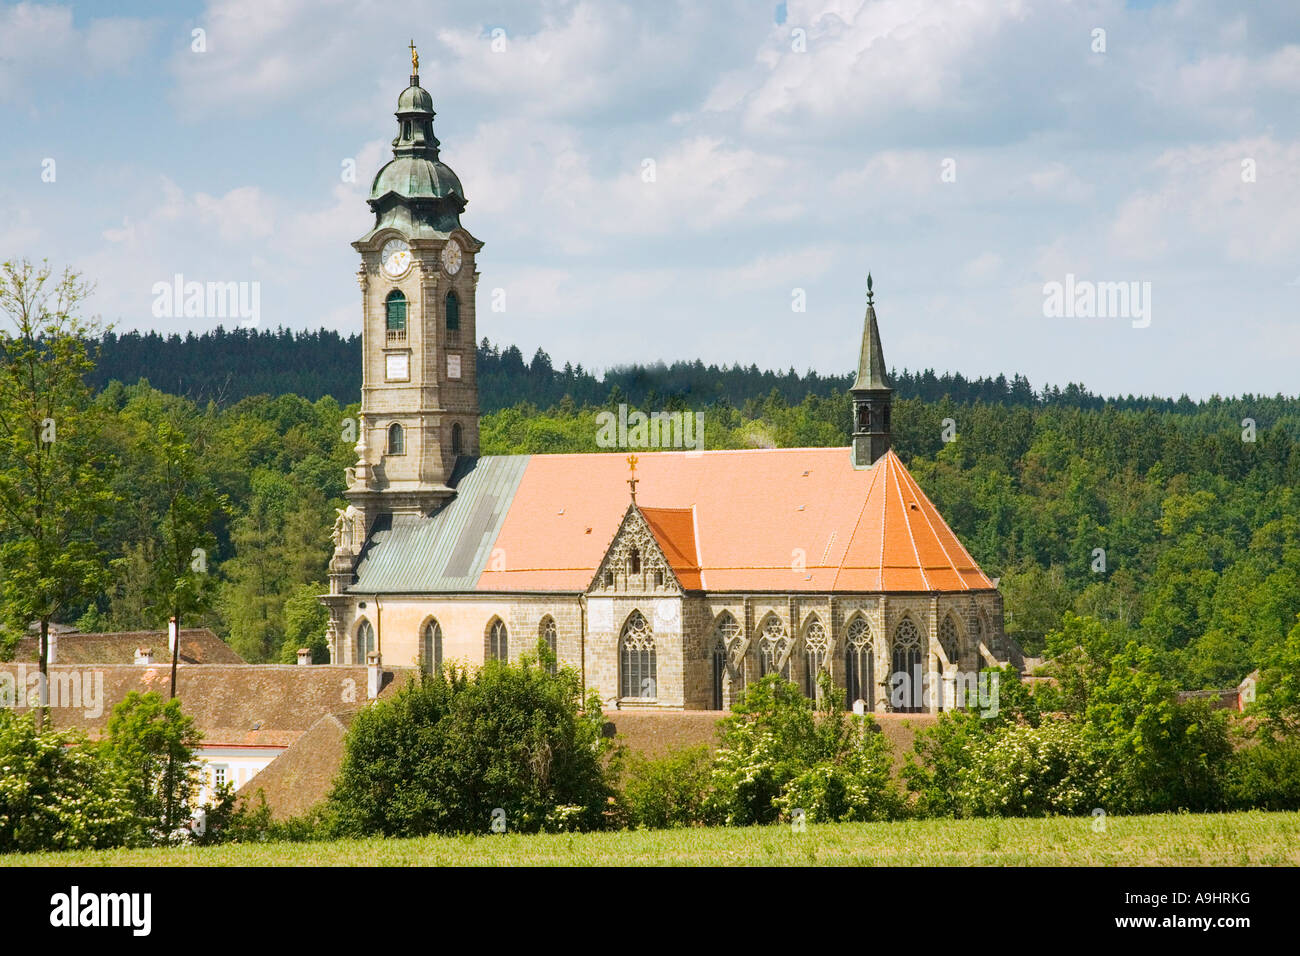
(415, 58)
(631, 482)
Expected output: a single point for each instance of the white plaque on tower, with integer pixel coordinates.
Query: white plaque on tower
(453, 366)
(397, 366)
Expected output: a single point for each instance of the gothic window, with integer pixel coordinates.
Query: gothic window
(634, 562)
(548, 633)
(453, 312)
(772, 644)
(814, 656)
(395, 306)
(456, 439)
(859, 663)
(431, 647)
(726, 641)
(864, 418)
(948, 639)
(659, 578)
(907, 676)
(396, 439)
(365, 641)
(977, 637)
(498, 642)
(609, 579)
(637, 658)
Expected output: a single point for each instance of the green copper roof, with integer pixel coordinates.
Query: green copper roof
(448, 550)
(871, 361)
(415, 189)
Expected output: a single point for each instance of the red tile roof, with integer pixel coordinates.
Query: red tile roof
(797, 519)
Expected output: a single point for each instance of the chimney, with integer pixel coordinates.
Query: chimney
(53, 648)
(304, 655)
(144, 655)
(171, 635)
(374, 675)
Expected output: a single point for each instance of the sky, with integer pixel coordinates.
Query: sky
(968, 153)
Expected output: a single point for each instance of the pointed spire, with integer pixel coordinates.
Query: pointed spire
(871, 360)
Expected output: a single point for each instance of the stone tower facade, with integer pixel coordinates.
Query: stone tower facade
(419, 393)
(873, 396)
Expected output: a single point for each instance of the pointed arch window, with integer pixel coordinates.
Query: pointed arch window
(548, 633)
(859, 663)
(395, 309)
(726, 640)
(498, 641)
(815, 644)
(396, 439)
(637, 662)
(457, 439)
(948, 639)
(907, 680)
(452, 309)
(772, 644)
(431, 647)
(365, 641)
(634, 561)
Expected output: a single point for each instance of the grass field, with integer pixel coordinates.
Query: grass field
(1233, 839)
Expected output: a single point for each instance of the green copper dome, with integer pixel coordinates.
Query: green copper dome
(415, 188)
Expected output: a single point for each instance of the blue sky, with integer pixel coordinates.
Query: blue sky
(795, 147)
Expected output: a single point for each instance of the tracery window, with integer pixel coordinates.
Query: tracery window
(365, 641)
(815, 644)
(772, 644)
(859, 663)
(431, 647)
(948, 638)
(549, 634)
(907, 662)
(498, 648)
(637, 658)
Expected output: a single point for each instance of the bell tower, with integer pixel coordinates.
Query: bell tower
(873, 396)
(419, 392)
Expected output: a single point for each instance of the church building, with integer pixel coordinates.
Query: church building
(668, 579)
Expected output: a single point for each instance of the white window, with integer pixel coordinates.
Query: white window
(220, 774)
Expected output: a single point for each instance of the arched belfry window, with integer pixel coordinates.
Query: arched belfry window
(395, 307)
(365, 641)
(637, 658)
(453, 312)
(457, 439)
(498, 641)
(396, 439)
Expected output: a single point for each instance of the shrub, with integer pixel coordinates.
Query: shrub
(55, 794)
(777, 750)
(453, 747)
(671, 791)
(1265, 776)
(1055, 768)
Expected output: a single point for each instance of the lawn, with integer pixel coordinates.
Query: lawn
(1231, 839)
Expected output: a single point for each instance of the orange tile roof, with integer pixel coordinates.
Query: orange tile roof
(782, 519)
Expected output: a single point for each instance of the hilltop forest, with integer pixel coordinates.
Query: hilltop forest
(1175, 523)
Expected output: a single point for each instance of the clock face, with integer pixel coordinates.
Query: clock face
(396, 257)
(451, 257)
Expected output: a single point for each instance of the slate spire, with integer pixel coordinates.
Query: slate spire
(873, 396)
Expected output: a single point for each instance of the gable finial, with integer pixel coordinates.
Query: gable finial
(870, 294)
(631, 482)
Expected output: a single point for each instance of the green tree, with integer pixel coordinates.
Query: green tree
(150, 745)
(53, 485)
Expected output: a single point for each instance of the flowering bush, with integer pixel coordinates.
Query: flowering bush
(1024, 771)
